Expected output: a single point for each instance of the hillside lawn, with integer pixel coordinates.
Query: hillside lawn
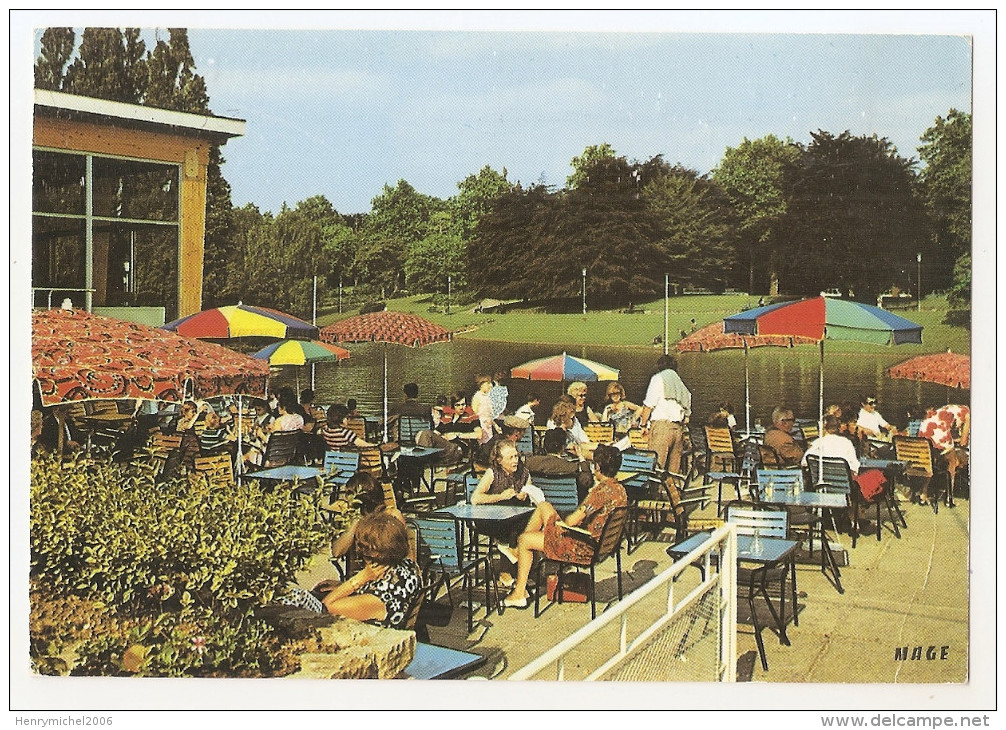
(613, 328)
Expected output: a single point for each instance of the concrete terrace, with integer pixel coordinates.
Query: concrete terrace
(909, 592)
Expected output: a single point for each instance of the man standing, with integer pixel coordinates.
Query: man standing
(666, 408)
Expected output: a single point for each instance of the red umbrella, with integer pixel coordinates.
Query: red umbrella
(397, 328)
(712, 337)
(79, 356)
(944, 368)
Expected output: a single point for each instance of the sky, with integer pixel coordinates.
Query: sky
(344, 113)
(431, 98)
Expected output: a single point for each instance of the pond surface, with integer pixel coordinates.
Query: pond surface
(777, 375)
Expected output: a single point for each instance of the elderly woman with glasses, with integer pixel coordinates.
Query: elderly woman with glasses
(584, 413)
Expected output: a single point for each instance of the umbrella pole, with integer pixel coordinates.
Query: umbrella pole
(385, 392)
(240, 454)
(820, 393)
(747, 391)
(312, 376)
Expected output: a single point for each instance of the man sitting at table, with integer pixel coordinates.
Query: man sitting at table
(783, 449)
(553, 463)
(833, 444)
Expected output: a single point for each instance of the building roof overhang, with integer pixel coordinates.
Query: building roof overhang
(86, 108)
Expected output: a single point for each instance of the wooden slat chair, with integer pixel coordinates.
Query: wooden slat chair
(721, 452)
(358, 425)
(607, 545)
(669, 504)
(810, 432)
(217, 470)
(637, 440)
(600, 433)
(371, 462)
(920, 456)
(159, 452)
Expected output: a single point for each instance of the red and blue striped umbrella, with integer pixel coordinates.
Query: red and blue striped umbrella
(826, 318)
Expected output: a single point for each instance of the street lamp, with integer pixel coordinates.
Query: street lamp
(584, 289)
(448, 294)
(340, 293)
(918, 283)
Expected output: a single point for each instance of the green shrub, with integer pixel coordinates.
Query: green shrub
(108, 533)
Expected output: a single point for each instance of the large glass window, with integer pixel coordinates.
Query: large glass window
(131, 231)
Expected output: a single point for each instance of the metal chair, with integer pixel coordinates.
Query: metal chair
(720, 447)
(441, 553)
(339, 466)
(697, 452)
(409, 427)
(526, 443)
(767, 522)
(608, 543)
(919, 454)
(837, 476)
(668, 505)
(560, 492)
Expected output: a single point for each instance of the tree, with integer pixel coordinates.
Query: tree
(172, 81)
(475, 195)
(945, 185)
(852, 218)
(591, 155)
(56, 50)
(430, 261)
(109, 65)
(751, 175)
(697, 227)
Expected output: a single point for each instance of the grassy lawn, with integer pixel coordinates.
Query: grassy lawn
(639, 329)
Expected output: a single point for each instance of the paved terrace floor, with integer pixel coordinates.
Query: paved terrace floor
(909, 592)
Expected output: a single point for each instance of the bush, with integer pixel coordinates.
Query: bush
(106, 532)
(373, 307)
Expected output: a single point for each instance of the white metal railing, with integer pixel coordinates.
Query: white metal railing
(721, 576)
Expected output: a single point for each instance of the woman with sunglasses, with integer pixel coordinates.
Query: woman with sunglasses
(870, 423)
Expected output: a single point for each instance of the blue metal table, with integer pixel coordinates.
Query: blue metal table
(814, 500)
(287, 473)
(413, 461)
(774, 551)
(440, 662)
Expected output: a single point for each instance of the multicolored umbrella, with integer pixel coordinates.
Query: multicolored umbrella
(943, 368)
(826, 318)
(564, 367)
(712, 337)
(397, 328)
(79, 356)
(242, 320)
(300, 352)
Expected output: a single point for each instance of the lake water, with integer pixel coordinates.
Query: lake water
(777, 375)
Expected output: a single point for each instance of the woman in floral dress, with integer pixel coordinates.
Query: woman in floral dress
(546, 535)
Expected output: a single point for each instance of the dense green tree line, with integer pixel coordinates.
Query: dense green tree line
(774, 215)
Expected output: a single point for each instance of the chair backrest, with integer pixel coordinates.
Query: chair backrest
(917, 452)
(828, 474)
(409, 426)
(161, 443)
(748, 518)
(913, 427)
(769, 456)
(601, 433)
(526, 443)
(610, 540)
(218, 470)
(719, 440)
(390, 499)
(103, 406)
(344, 464)
(781, 479)
(371, 461)
(560, 492)
(810, 432)
(438, 536)
(751, 462)
(357, 425)
(471, 481)
(281, 448)
(637, 440)
(639, 460)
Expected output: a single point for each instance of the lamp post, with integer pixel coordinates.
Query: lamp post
(340, 293)
(585, 290)
(666, 288)
(314, 319)
(448, 294)
(918, 283)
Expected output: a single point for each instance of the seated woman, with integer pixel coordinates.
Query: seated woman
(546, 535)
(383, 591)
(723, 417)
(584, 414)
(370, 494)
(502, 483)
(336, 435)
(620, 413)
(564, 417)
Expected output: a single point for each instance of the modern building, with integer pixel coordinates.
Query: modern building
(119, 205)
